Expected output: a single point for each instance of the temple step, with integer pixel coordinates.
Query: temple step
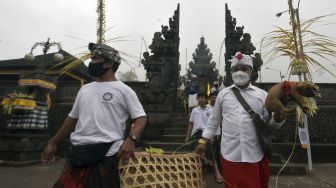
(276, 158)
(175, 131)
(290, 169)
(179, 115)
(177, 125)
(173, 138)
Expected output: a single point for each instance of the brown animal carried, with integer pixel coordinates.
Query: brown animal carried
(279, 95)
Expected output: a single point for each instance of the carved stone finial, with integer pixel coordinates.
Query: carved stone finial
(236, 40)
(202, 66)
(162, 64)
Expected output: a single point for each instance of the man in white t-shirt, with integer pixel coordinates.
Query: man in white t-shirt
(97, 124)
(198, 118)
(197, 123)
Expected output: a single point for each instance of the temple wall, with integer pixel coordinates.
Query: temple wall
(64, 96)
(322, 127)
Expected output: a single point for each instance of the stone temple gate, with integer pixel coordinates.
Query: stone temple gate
(158, 96)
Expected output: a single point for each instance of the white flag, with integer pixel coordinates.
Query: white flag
(303, 137)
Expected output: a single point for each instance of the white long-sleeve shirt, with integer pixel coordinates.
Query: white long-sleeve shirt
(218, 132)
(239, 138)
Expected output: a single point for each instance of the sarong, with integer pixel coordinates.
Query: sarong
(103, 175)
(246, 175)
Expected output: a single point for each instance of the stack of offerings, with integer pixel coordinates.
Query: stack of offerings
(28, 105)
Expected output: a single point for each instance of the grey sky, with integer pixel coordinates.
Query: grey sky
(23, 22)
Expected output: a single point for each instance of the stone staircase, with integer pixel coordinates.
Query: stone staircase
(277, 163)
(174, 136)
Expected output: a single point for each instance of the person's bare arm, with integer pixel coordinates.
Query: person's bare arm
(48, 154)
(190, 126)
(139, 126)
(127, 148)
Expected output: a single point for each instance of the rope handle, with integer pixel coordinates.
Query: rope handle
(183, 145)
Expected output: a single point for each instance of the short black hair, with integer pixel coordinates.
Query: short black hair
(202, 95)
(215, 93)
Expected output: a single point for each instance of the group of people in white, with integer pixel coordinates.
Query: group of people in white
(97, 121)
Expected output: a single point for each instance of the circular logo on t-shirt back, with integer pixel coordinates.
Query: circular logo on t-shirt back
(107, 97)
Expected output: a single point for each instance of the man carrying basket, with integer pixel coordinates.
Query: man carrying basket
(97, 124)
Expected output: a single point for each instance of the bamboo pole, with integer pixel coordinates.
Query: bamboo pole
(305, 120)
(296, 26)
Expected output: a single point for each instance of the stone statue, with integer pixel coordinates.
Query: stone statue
(162, 65)
(257, 63)
(247, 44)
(157, 42)
(146, 59)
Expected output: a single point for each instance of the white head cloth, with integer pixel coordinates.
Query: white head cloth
(241, 59)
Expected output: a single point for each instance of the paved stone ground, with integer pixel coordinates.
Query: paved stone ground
(39, 176)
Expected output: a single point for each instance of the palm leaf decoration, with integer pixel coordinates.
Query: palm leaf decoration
(70, 63)
(281, 42)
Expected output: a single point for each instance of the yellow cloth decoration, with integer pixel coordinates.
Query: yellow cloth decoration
(18, 102)
(152, 150)
(39, 82)
(48, 100)
(202, 141)
(9, 103)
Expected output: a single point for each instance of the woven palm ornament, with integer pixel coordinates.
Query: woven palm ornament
(162, 171)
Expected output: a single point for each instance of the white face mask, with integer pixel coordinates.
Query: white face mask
(240, 78)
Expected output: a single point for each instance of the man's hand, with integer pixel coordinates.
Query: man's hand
(279, 116)
(127, 149)
(200, 149)
(48, 154)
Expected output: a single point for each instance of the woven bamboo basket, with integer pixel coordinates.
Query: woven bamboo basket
(162, 171)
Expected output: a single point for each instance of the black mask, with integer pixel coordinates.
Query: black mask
(96, 69)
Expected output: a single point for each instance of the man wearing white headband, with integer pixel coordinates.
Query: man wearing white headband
(241, 69)
(243, 161)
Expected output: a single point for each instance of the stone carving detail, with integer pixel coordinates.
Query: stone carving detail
(236, 40)
(162, 65)
(203, 67)
(321, 128)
